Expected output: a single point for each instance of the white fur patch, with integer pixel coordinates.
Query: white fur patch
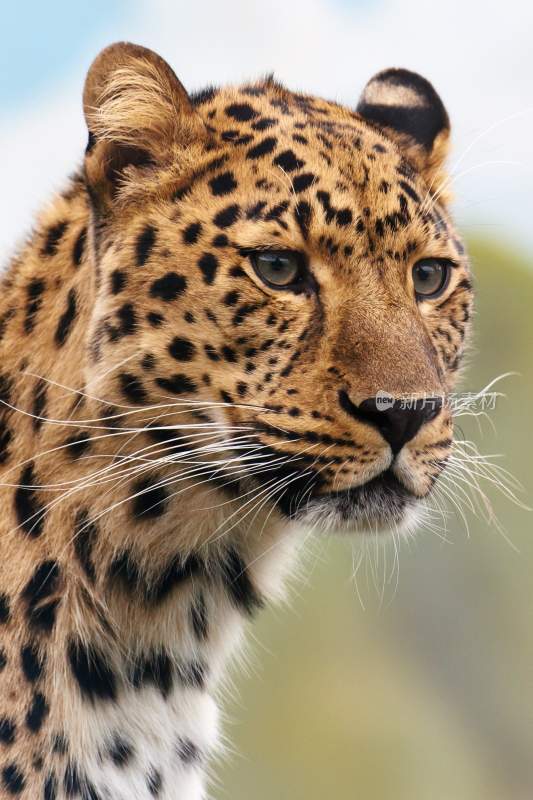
(170, 738)
(391, 94)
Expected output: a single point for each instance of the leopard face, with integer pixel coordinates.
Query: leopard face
(286, 268)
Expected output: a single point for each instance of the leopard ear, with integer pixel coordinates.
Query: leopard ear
(409, 109)
(138, 115)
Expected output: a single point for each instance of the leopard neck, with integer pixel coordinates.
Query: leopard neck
(118, 612)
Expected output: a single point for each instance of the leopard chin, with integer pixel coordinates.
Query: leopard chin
(379, 506)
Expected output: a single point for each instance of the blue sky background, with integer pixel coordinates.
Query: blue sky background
(478, 56)
(41, 42)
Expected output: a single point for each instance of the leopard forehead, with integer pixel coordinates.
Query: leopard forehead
(300, 165)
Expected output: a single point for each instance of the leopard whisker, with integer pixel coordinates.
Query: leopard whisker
(174, 479)
(84, 485)
(457, 176)
(484, 506)
(489, 129)
(86, 457)
(279, 484)
(86, 423)
(460, 467)
(449, 496)
(307, 488)
(207, 467)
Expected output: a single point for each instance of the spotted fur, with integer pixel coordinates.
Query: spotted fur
(170, 423)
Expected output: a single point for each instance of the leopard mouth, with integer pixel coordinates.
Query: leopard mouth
(380, 503)
(303, 496)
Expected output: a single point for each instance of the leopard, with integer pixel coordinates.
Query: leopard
(239, 323)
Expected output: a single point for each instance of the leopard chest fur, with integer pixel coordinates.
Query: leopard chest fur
(153, 741)
(116, 699)
(140, 720)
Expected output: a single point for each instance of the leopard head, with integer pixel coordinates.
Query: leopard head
(284, 268)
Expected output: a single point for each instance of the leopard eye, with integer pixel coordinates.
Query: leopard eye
(280, 269)
(430, 277)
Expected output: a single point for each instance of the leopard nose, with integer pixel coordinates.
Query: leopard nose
(398, 421)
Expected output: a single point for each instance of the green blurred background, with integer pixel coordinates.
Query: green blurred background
(426, 693)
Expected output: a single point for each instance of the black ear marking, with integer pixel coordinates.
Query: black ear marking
(407, 103)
